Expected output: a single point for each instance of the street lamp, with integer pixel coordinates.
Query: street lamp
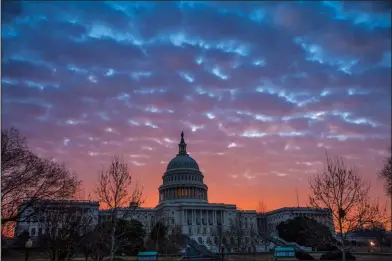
(223, 251)
(28, 245)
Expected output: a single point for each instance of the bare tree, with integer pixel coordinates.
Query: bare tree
(65, 227)
(263, 230)
(219, 233)
(386, 175)
(28, 179)
(160, 229)
(237, 232)
(342, 190)
(261, 206)
(97, 245)
(114, 192)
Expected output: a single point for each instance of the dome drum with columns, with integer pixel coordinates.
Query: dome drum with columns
(183, 179)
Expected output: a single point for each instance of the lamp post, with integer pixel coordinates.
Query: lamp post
(223, 251)
(28, 245)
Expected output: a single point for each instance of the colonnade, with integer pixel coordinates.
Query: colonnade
(203, 217)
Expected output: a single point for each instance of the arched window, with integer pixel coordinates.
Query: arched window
(200, 240)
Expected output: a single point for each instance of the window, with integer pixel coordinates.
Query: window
(190, 230)
(33, 232)
(200, 240)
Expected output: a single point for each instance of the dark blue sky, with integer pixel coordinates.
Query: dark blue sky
(259, 88)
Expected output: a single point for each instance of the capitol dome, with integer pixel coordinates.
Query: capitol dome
(182, 161)
(183, 179)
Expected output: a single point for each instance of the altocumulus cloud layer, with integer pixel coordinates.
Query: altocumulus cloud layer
(260, 89)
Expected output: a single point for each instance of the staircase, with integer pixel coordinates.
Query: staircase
(201, 250)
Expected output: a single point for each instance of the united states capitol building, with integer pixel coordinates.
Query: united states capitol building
(183, 202)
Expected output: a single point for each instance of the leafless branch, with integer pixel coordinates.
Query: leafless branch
(114, 192)
(342, 190)
(28, 179)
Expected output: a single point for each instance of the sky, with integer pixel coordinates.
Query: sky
(260, 89)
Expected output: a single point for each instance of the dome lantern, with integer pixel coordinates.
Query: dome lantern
(182, 146)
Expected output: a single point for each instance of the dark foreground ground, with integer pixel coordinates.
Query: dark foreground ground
(19, 256)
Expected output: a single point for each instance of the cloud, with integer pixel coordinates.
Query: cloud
(257, 88)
